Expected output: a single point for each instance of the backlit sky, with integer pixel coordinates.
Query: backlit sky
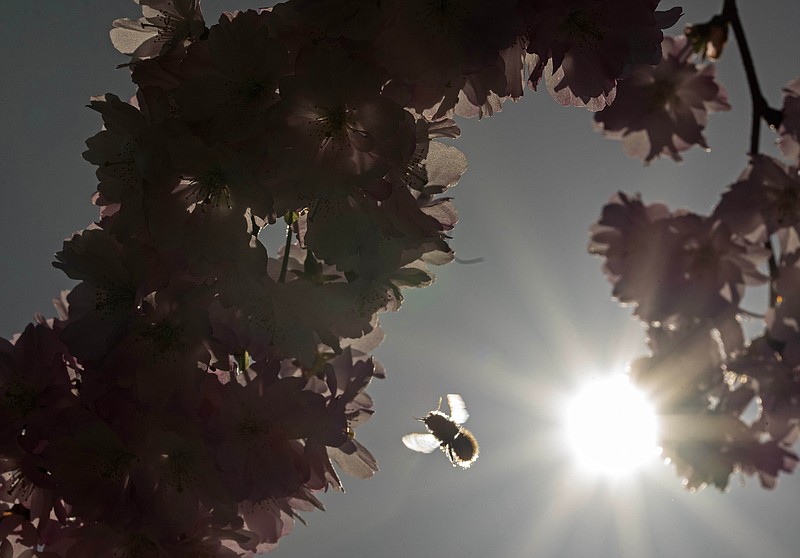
(514, 335)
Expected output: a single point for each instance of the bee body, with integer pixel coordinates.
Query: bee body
(445, 432)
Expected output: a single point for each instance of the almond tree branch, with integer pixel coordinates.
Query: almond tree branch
(761, 110)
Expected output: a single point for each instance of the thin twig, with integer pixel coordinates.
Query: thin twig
(760, 110)
(286, 248)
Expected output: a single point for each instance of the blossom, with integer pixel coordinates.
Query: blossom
(115, 277)
(789, 130)
(90, 466)
(673, 264)
(257, 430)
(273, 517)
(764, 199)
(107, 540)
(450, 56)
(702, 401)
(166, 25)
(584, 46)
(230, 79)
(484, 91)
(35, 381)
(164, 349)
(686, 363)
(663, 109)
(205, 222)
(303, 20)
(774, 378)
(638, 249)
(435, 42)
(716, 265)
(332, 129)
(176, 479)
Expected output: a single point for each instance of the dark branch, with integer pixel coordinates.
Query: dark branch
(761, 109)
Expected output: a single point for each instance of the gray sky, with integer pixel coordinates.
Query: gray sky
(514, 335)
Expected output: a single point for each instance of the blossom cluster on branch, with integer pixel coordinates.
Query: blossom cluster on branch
(195, 390)
(726, 404)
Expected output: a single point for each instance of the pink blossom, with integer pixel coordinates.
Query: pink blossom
(452, 57)
(175, 479)
(90, 466)
(303, 21)
(663, 109)
(230, 79)
(764, 199)
(204, 223)
(35, 382)
(114, 277)
(769, 459)
(307, 314)
(441, 41)
(673, 263)
(257, 431)
(332, 129)
(166, 25)
(165, 349)
(108, 540)
(716, 265)
(273, 517)
(702, 399)
(584, 46)
(789, 131)
(686, 362)
(396, 252)
(776, 380)
(128, 152)
(485, 90)
(638, 248)
(244, 324)
(273, 319)
(207, 540)
(345, 376)
(434, 167)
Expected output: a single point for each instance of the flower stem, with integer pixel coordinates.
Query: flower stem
(290, 218)
(773, 274)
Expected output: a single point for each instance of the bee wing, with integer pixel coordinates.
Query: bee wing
(458, 410)
(424, 443)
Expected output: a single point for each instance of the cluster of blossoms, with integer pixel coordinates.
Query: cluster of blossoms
(194, 392)
(727, 404)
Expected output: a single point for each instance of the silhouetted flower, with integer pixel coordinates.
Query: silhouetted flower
(764, 199)
(114, 278)
(166, 24)
(230, 79)
(584, 46)
(673, 264)
(333, 130)
(663, 109)
(258, 429)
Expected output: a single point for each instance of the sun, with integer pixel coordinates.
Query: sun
(611, 428)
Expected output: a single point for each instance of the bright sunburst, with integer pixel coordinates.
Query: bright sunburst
(611, 428)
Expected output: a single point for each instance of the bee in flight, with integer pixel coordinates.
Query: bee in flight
(446, 432)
